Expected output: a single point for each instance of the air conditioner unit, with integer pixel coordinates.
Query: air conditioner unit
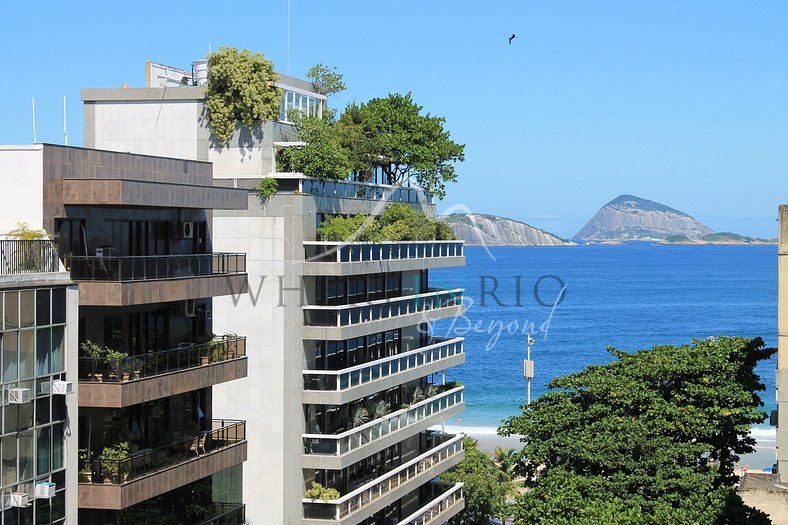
(186, 230)
(19, 499)
(189, 309)
(773, 418)
(62, 387)
(45, 490)
(17, 396)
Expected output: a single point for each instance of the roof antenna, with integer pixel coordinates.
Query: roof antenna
(288, 37)
(65, 132)
(34, 120)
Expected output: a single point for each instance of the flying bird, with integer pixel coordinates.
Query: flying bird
(512, 38)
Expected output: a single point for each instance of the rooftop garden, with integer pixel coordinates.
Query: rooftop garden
(398, 222)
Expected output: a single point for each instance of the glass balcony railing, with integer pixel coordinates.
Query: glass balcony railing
(224, 433)
(363, 190)
(357, 313)
(152, 364)
(153, 267)
(34, 256)
(363, 496)
(349, 252)
(347, 378)
(448, 495)
(358, 437)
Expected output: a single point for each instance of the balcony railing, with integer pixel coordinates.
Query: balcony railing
(226, 514)
(35, 256)
(354, 501)
(349, 252)
(355, 438)
(437, 507)
(347, 378)
(152, 267)
(225, 433)
(163, 362)
(357, 313)
(355, 190)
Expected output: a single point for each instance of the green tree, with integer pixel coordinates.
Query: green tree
(391, 135)
(326, 80)
(322, 156)
(23, 232)
(241, 89)
(485, 495)
(657, 432)
(398, 222)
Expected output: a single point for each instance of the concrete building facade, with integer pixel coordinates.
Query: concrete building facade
(346, 387)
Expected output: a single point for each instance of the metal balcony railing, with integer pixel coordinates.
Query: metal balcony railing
(347, 378)
(152, 267)
(225, 514)
(450, 495)
(152, 364)
(349, 252)
(358, 190)
(35, 256)
(224, 433)
(355, 438)
(357, 313)
(361, 497)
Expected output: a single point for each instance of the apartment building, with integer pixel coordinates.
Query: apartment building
(346, 387)
(135, 234)
(38, 343)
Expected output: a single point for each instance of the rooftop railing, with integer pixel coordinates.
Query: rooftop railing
(347, 378)
(225, 514)
(34, 256)
(348, 252)
(224, 433)
(152, 267)
(355, 438)
(152, 364)
(352, 189)
(357, 313)
(432, 511)
(361, 497)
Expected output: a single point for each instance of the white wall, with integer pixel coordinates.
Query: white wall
(22, 183)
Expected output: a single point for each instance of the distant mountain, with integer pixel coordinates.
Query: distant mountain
(490, 230)
(630, 218)
(719, 238)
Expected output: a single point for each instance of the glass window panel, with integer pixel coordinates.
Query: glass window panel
(10, 517)
(43, 450)
(11, 310)
(27, 308)
(42, 307)
(59, 506)
(58, 306)
(42, 411)
(43, 512)
(25, 415)
(10, 356)
(26, 455)
(57, 446)
(27, 354)
(10, 418)
(43, 386)
(9, 460)
(58, 350)
(43, 350)
(58, 408)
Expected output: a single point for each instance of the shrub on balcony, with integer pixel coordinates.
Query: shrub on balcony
(114, 461)
(398, 222)
(320, 492)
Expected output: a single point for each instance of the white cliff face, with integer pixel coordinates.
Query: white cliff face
(488, 230)
(629, 218)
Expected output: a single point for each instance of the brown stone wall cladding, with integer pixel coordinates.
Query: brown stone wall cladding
(94, 293)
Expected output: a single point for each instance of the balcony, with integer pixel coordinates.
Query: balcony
(337, 451)
(448, 503)
(339, 258)
(346, 189)
(353, 320)
(117, 484)
(124, 281)
(375, 495)
(117, 383)
(337, 387)
(226, 514)
(21, 257)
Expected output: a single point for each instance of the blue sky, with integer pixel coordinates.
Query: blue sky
(675, 101)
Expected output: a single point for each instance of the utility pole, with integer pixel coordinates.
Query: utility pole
(528, 365)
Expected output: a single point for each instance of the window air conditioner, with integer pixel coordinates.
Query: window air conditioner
(19, 499)
(45, 490)
(186, 230)
(62, 387)
(17, 396)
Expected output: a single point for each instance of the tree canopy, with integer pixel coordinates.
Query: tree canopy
(326, 80)
(652, 438)
(241, 88)
(485, 494)
(322, 156)
(398, 222)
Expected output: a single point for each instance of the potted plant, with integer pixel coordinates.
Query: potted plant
(85, 466)
(114, 463)
(321, 493)
(96, 352)
(113, 360)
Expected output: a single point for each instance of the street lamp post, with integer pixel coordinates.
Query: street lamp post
(528, 365)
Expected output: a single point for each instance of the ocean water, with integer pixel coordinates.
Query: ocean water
(629, 296)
